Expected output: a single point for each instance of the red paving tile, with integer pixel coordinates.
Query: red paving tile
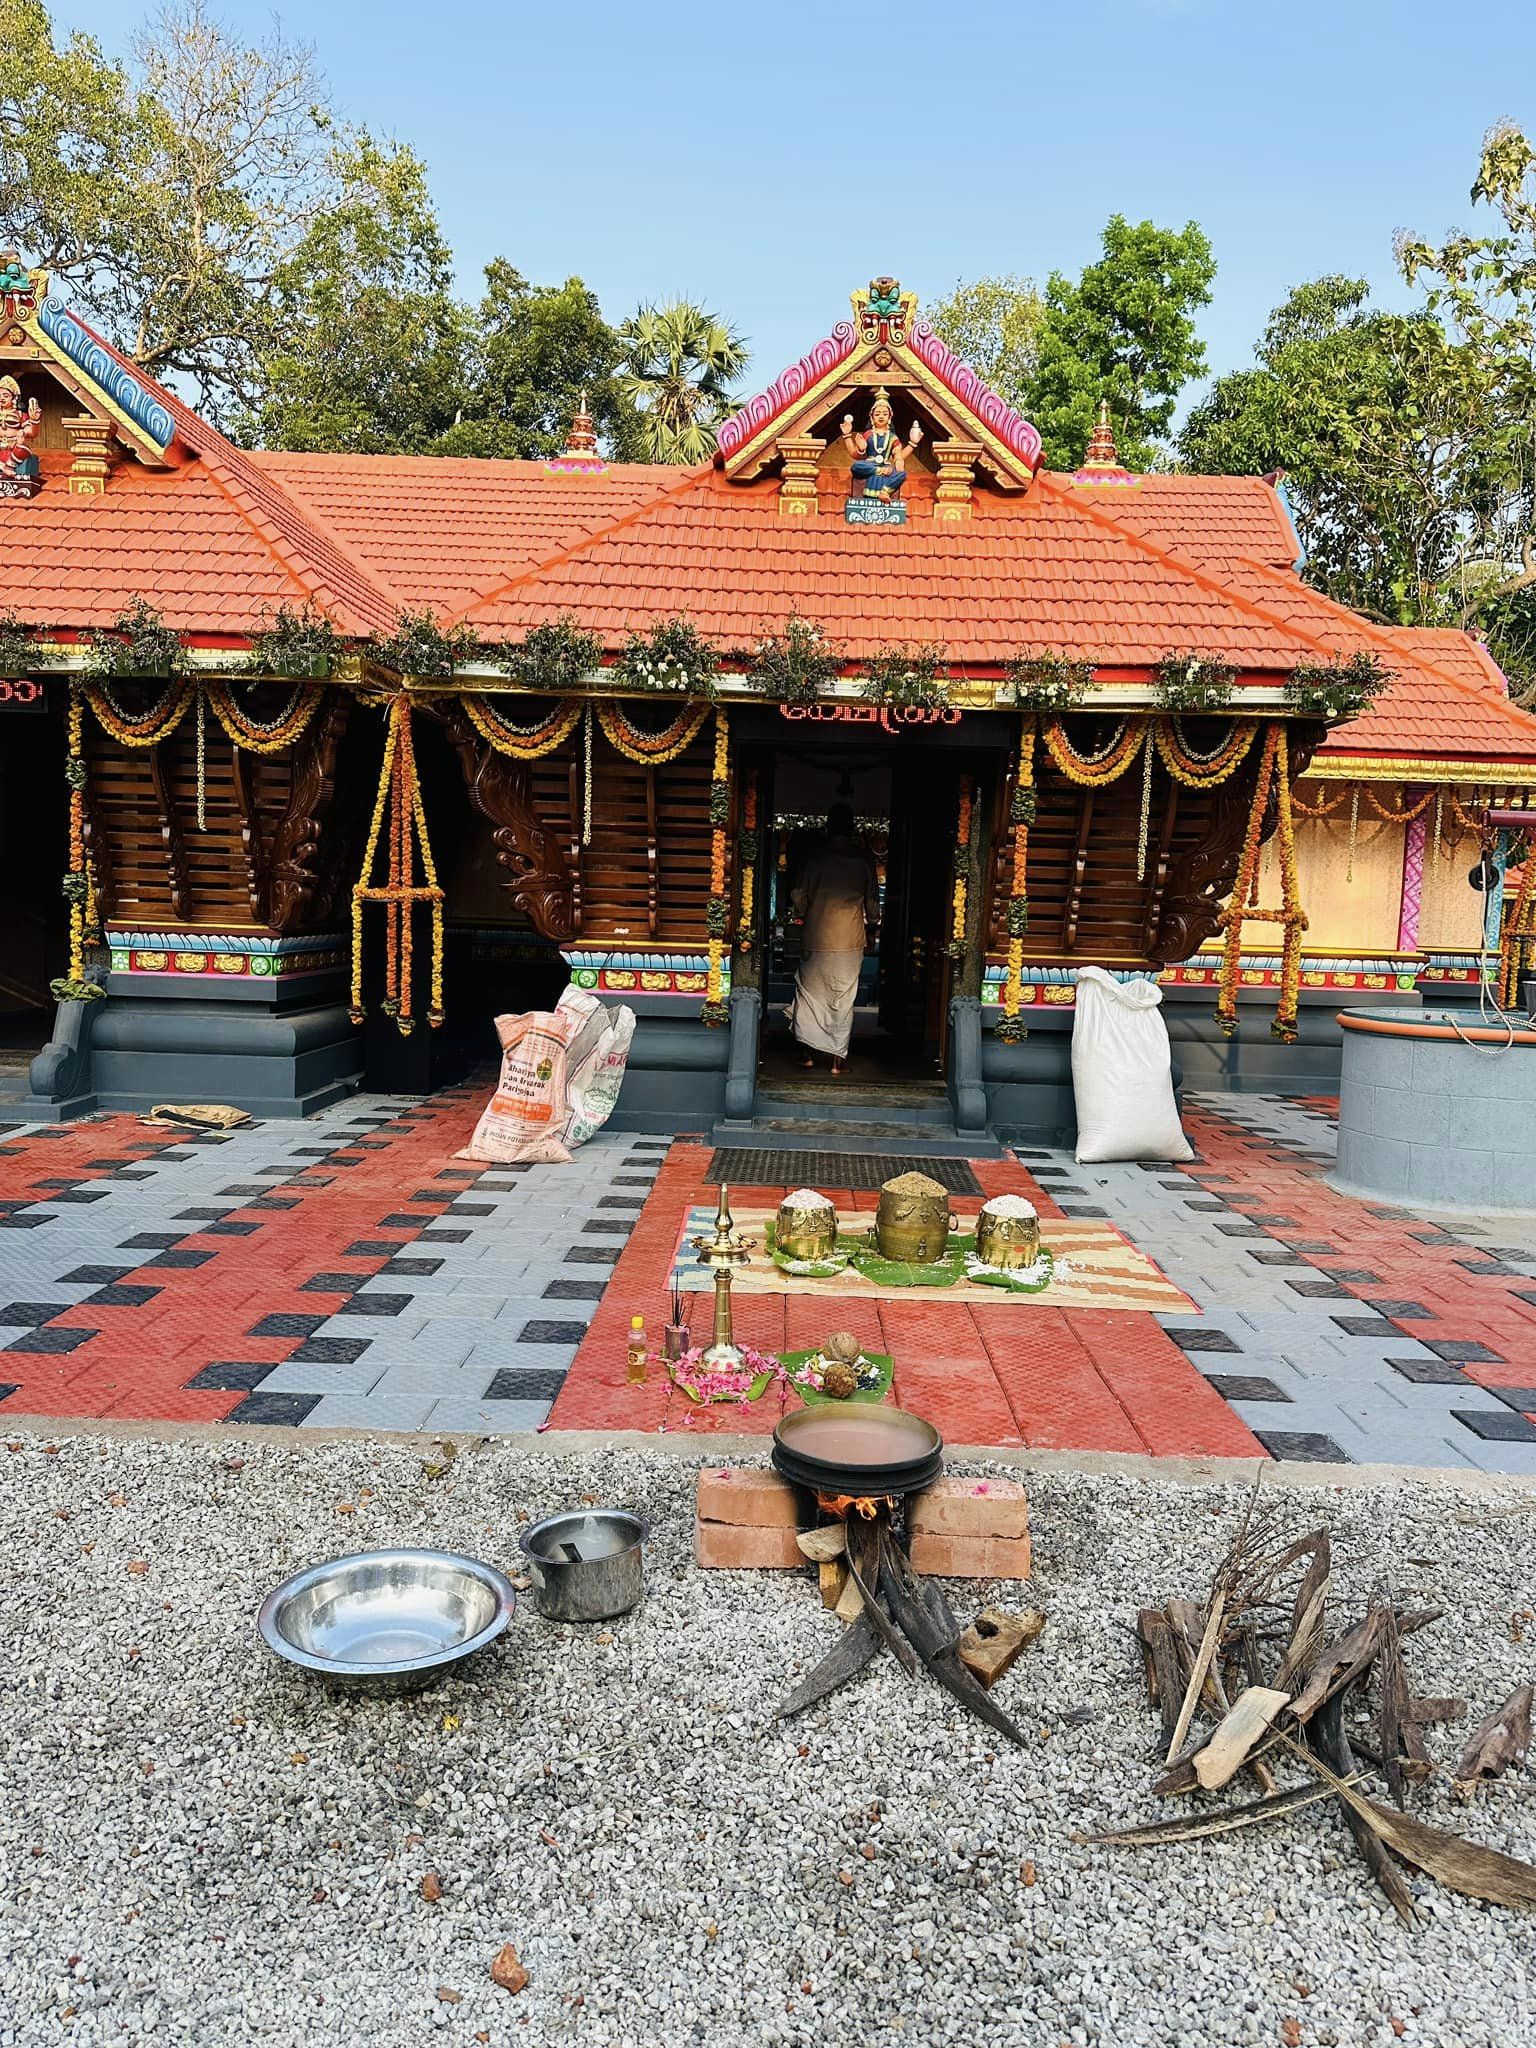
(1002, 1374)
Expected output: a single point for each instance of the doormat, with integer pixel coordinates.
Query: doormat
(1096, 1267)
(745, 1166)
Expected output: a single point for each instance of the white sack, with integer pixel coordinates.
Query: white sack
(1122, 1072)
(595, 1068)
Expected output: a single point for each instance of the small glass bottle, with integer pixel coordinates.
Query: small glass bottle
(635, 1354)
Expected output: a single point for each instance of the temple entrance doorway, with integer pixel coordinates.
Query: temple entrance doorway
(34, 853)
(903, 797)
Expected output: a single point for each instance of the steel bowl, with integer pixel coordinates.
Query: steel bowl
(586, 1565)
(386, 1621)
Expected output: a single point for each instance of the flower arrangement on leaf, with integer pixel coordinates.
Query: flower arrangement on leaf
(673, 656)
(707, 1384)
(137, 643)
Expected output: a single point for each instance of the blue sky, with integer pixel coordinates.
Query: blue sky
(767, 160)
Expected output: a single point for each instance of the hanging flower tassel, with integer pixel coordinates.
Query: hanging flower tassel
(716, 1009)
(1354, 830)
(746, 854)
(1517, 938)
(399, 815)
(1274, 774)
(586, 775)
(1144, 829)
(202, 759)
(79, 883)
(960, 901)
(1021, 815)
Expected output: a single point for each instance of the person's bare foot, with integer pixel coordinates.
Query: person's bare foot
(837, 1066)
(808, 1062)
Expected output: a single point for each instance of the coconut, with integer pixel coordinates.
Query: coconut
(844, 1345)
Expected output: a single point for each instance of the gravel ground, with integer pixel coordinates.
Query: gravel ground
(198, 1846)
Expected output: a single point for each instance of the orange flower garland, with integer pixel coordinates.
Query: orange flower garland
(1517, 940)
(1274, 774)
(1095, 771)
(747, 850)
(156, 724)
(961, 899)
(398, 807)
(716, 1009)
(1204, 771)
(521, 743)
(79, 882)
(1021, 813)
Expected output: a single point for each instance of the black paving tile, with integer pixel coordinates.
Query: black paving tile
(375, 1304)
(1081, 1209)
(624, 1202)
(458, 1173)
(28, 1222)
(52, 1340)
(542, 1332)
(1463, 1350)
(431, 1198)
(1486, 1269)
(1204, 1340)
(500, 1187)
(246, 1187)
(118, 1296)
(275, 1202)
(470, 1209)
(412, 1269)
(1243, 1386)
(605, 1226)
(575, 1290)
(1320, 1290)
(228, 1375)
(524, 1383)
(286, 1325)
(165, 1260)
(629, 1180)
(1275, 1258)
(372, 1248)
(330, 1351)
(1354, 1276)
(78, 1195)
(1523, 1398)
(591, 1255)
(1429, 1372)
(1494, 1425)
(228, 1229)
(26, 1315)
(1523, 1252)
(1212, 1208)
(332, 1283)
(95, 1276)
(1241, 1230)
(403, 1221)
(153, 1241)
(1306, 1445)
(7, 1388)
(1362, 1326)
(1403, 1311)
(444, 1237)
(278, 1409)
(131, 1173)
(1272, 1222)
(72, 1182)
(1524, 1294)
(1434, 1237)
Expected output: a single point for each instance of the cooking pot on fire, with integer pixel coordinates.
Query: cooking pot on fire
(857, 1448)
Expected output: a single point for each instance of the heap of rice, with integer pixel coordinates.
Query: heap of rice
(914, 1184)
(1013, 1207)
(806, 1198)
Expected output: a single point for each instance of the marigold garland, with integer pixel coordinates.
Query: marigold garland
(1405, 816)
(650, 749)
(398, 805)
(1318, 810)
(1021, 813)
(1095, 771)
(522, 743)
(960, 901)
(79, 886)
(149, 729)
(1517, 939)
(717, 916)
(264, 736)
(746, 853)
(1204, 771)
(1243, 906)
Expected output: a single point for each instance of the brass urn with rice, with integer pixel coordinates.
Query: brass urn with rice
(913, 1220)
(1007, 1234)
(806, 1227)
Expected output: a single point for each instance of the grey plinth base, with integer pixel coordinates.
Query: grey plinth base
(1429, 1121)
(1253, 1061)
(676, 1076)
(1029, 1085)
(273, 1051)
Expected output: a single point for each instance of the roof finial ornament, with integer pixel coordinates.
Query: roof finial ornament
(1101, 463)
(580, 454)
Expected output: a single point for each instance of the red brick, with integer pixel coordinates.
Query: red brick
(970, 1557)
(970, 1507)
(746, 1496)
(735, 1547)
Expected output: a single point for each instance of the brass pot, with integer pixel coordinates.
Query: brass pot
(1007, 1242)
(913, 1223)
(807, 1230)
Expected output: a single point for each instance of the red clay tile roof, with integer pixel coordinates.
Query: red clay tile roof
(1117, 577)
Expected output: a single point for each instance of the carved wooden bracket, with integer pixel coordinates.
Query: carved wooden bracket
(293, 875)
(539, 876)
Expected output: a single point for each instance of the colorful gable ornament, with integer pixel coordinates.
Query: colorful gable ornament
(1101, 463)
(872, 367)
(20, 288)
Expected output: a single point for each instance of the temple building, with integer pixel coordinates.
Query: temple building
(340, 756)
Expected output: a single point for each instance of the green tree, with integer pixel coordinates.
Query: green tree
(537, 350)
(1380, 422)
(994, 325)
(679, 364)
(369, 342)
(1124, 331)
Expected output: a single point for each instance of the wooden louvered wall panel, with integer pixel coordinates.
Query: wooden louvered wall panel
(144, 867)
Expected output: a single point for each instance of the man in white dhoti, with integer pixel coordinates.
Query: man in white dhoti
(838, 895)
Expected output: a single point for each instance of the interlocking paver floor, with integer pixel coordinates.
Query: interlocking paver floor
(351, 1271)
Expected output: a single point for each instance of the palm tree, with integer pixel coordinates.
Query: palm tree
(678, 362)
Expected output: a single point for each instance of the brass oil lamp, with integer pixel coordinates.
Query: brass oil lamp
(722, 1251)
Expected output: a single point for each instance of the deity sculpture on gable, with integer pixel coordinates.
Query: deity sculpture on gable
(18, 428)
(879, 462)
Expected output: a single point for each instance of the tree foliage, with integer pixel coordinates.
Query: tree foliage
(994, 325)
(680, 362)
(1124, 331)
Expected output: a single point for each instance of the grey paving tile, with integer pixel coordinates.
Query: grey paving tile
(485, 1417)
(356, 1411)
